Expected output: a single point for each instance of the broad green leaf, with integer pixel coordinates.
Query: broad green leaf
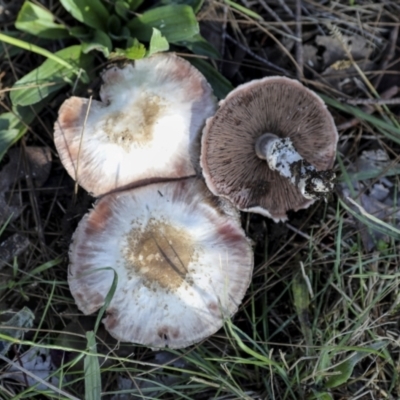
(345, 369)
(91, 12)
(219, 83)
(9, 136)
(81, 32)
(301, 299)
(38, 21)
(22, 319)
(157, 44)
(116, 30)
(122, 9)
(134, 4)
(195, 4)
(13, 125)
(50, 77)
(175, 22)
(320, 396)
(198, 45)
(135, 51)
(100, 42)
(92, 369)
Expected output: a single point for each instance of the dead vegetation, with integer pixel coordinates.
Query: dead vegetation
(321, 317)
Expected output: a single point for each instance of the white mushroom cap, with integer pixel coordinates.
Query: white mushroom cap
(182, 259)
(146, 128)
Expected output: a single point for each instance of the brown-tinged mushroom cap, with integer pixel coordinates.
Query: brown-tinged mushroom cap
(277, 105)
(182, 259)
(146, 127)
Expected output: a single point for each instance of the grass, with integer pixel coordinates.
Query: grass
(321, 317)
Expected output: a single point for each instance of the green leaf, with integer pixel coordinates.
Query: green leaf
(9, 136)
(219, 83)
(135, 51)
(50, 77)
(134, 4)
(14, 125)
(321, 396)
(92, 369)
(122, 9)
(345, 369)
(81, 32)
(175, 22)
(198, 45)
(116, 30)
(301, 299)
(91, 12)
(157, 44)
(39, 22)
(195, 4)
(100, 42)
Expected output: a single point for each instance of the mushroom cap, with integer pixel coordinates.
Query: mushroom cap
(183, 263)
(276, 105)
(146, 127)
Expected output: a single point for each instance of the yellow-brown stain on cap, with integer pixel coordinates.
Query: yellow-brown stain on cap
(160, 254)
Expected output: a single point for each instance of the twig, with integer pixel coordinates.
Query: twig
(388, 94)
(389, 54)
(275, 16)
(356, 102)
(257, 57)
(299, 42)
(286, 8)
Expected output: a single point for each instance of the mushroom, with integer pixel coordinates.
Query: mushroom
(182, 259)
(270, 147)
(146, 127)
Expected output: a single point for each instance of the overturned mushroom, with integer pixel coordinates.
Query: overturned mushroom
(269, 148)
(182, 259)
(145, 128)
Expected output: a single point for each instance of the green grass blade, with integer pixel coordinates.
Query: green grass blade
(92, 369)
(383, 126)
(38, 50)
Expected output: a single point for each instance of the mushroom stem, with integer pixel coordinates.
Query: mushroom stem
(281, 156)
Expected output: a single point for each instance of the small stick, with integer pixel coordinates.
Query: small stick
(299, 42)
(275, 16)
(390, 53)
(388, 94)
(257, 57)
(355, 102)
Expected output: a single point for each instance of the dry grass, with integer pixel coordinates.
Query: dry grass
(321, 318)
